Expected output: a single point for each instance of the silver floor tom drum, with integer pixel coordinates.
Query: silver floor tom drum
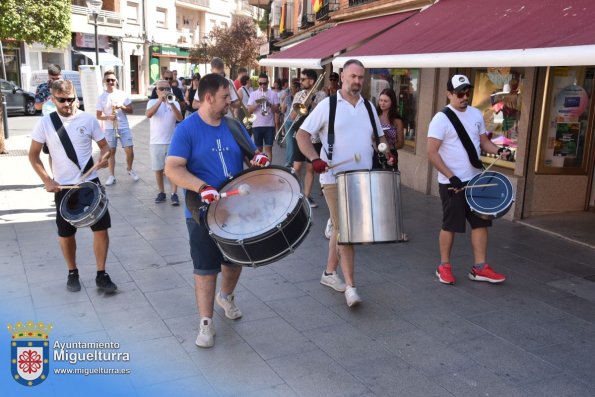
(370, 207)
(264, 225)
(84, 206)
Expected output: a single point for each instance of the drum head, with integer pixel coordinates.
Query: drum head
(78, 201)
(493, 201)
(274, 193)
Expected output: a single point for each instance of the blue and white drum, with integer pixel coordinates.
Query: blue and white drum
(489, 194)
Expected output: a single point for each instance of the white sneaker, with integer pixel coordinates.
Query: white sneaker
(329, 229)
(334, 281)
(133, 175)
(110, 180)
(231, 310)
(206, 333)
(352, 297)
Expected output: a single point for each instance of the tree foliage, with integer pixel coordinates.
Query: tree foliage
(238, 45)
(41, 21)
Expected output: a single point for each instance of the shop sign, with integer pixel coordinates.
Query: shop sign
(85, 40)
(169, 51)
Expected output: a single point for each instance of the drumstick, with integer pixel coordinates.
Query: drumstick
(493, 162)
(356, 158)
(86, 174)
(69, 187)
(242, 190)
(474, 186)
(383, 147)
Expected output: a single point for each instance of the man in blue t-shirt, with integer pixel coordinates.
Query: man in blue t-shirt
(203, 153)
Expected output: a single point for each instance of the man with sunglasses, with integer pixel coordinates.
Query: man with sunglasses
(163, 115)
(82, 129)
(112, 107)
(42, 93)
(450, 158)
(168, 76)
(264, 104)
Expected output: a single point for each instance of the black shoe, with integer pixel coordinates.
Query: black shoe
(73, 284)
(105, 283)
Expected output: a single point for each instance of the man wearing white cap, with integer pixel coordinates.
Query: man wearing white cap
(454, 165)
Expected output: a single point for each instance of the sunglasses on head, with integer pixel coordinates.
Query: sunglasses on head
(110, 80)
(462, 94)
(62, 100)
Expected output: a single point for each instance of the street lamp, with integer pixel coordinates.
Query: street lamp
(95, 7)
(205, 39)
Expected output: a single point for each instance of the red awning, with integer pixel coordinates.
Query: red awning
(318, 50)
(474, 33)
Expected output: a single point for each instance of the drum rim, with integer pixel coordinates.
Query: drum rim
(223, 189)
(89, 218)
(501, 209)
(364, 171)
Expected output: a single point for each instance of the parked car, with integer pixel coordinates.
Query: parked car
(18, 100)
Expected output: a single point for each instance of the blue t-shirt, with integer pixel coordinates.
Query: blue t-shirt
(212, 154)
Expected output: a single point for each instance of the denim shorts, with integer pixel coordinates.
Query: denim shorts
(125, 137)
(264, 135)
(206, 256)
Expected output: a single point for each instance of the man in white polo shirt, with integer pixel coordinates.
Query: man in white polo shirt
(354, 134)
(163, 114)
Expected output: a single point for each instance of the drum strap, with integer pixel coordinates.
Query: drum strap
(238, 134)
(66, 143)
(463, 137)
(331, 129)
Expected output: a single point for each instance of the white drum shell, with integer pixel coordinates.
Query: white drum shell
(369, 207)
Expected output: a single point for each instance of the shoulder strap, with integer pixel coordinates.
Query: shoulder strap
(371, 115)
(238, 134)
(463, 137)
(331, 125)
(66, 143)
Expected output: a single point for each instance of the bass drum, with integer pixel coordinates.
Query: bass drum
(264, 225)
(489, 194)
(84, 206)
(369, 207)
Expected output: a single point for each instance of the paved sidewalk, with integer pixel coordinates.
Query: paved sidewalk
(411, 336)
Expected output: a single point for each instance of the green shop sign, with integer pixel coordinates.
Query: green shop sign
(170, 51)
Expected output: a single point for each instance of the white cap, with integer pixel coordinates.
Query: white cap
(458, 82)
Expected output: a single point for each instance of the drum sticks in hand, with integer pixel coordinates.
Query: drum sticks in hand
(242, 190)
(474, 186)
(356, 157)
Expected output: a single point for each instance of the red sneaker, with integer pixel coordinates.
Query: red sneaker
(486, 274)
(444, 274)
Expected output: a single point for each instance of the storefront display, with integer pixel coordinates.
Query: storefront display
(564, 133)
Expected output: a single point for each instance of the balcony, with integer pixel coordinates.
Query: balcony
(327, 7)
(264, 4)
(199, 3)
(106, 18)
(307, 21)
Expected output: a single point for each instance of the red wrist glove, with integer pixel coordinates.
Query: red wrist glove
(319, 165)
(209, 194)
(391, 159)
(261, 160)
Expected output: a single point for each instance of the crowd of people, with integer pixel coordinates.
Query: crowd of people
(197, 143)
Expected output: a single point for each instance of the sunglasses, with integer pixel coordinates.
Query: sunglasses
(462, 94)
(168, 78)
(163, 88)
(110, 80)
(62, 100)
(263, 82)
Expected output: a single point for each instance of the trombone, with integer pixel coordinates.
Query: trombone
(301, 108)
(249, 118)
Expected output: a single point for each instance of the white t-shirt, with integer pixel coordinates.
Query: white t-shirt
(163, 123)
(105, 103)
(273, 98)
(451, 150)
(82, 128)
(232, 95)
(353, 135)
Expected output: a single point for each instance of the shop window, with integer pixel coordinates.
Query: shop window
(565, 135)
(405, 83)
(497, 94)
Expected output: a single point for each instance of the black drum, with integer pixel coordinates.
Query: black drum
(85, 205)
(489, 194)
(263, 225)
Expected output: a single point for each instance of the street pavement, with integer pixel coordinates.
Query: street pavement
(412, 336)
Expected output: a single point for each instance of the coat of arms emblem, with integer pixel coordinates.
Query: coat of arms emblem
(29, 352)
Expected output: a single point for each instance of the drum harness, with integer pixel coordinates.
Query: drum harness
(67, 144)
(463, 137)
(379, 159)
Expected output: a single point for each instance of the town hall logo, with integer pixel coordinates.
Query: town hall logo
(29, 357)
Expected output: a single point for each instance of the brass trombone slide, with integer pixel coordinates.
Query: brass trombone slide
(301, 108)
(249, 118)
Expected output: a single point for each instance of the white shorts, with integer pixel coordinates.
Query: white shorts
(158, 155)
